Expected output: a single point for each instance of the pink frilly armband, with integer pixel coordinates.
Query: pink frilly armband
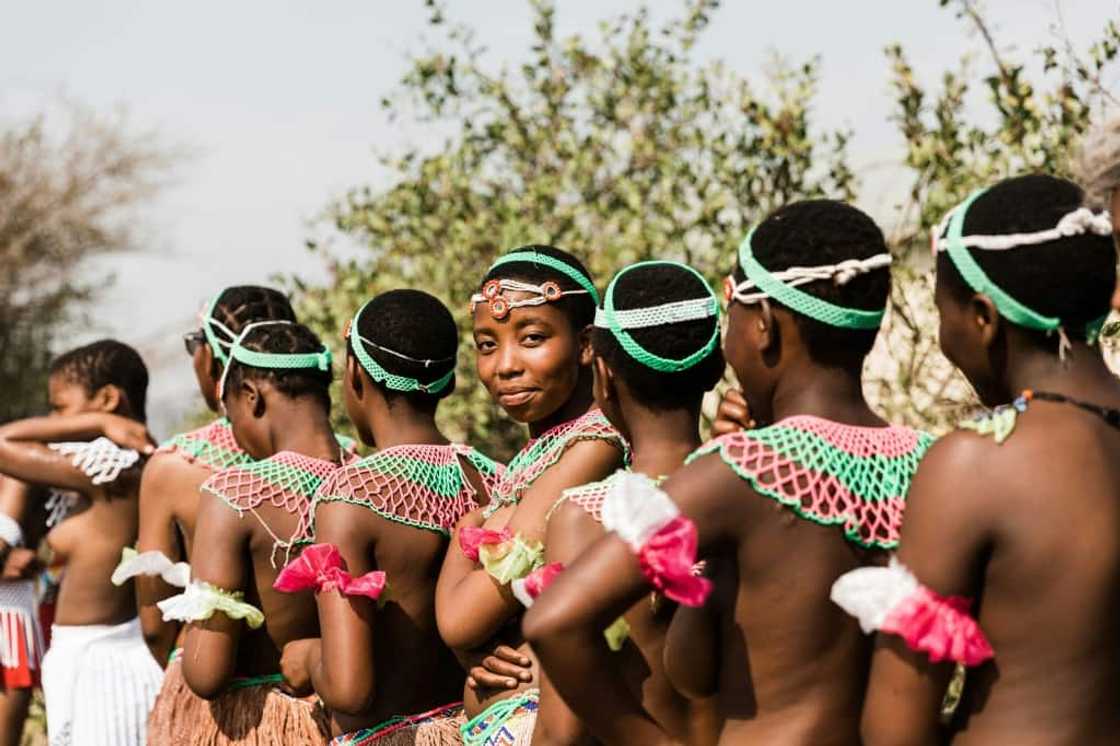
(504, 555)
(320, 568)
(891, 600)
(472, 538)
(530, 587)
(665, 542)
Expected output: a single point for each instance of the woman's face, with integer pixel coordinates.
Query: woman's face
(68, 397)
(961, 342)
(529, 361)
(742, 351)
(248, 418)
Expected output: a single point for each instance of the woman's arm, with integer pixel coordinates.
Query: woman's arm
(692, 644)
(475, 606)
(342, 667)
(221, 547)
(24, 455)
(165, 478)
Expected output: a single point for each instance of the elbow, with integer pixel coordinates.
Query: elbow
(350, 698)
(541, 624)
(206, 685)
(875, 731)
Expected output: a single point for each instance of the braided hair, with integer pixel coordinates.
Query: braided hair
(282, 339)
(240, 305)
(412, 323)
(103, 363)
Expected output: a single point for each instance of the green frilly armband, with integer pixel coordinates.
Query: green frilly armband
(201, 599)
(511, 559)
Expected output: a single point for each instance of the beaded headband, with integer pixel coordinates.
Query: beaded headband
(210, 327)
(954, 243)
(500, 306)
(320, 360)
(393, 381)
(782, 287)
(693, 309)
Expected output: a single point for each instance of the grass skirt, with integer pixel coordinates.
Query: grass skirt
(439, 727)
(257, 715)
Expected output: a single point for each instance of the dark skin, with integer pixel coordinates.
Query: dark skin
(660, 439)
(792, 667)
(237, 554)
(536, 365)
(997, 523)
(373, 663)
(169, 498)
(89, 542)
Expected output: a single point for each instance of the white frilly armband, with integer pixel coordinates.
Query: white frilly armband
(151, 563)
(10, 531)
(635, 508)
(870, 593)
(101, 460)
(200, 600)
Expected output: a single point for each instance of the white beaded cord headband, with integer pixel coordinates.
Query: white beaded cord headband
(500, 306)
(1075, 223)
(320, 360)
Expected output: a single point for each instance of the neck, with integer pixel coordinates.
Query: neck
(829, 393)
(578, 404)
(660, 440)
(400, 424)
(1083, 375)
(303, 426)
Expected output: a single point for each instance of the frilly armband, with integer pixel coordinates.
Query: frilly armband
(200, 600)
(891, 600)
(152, 563)
(100, 459)
(504, 555)
(665, 541)
(530, 587)
(320, 568)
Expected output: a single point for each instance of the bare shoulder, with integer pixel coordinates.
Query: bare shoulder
(167, 475)
(338, 521)
(582, 462)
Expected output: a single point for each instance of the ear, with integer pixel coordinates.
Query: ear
(586, 354)
(209, 364)
(605, 388)
(354, 376)
(108, 398)
(986, 318)
(253, 393)
(765, 327)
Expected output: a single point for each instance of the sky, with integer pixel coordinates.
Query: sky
(275, 104)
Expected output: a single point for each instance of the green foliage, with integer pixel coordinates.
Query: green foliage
(622, 148)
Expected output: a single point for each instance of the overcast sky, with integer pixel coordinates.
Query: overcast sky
(277, 101)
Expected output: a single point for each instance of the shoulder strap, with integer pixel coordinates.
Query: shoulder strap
(830, 473)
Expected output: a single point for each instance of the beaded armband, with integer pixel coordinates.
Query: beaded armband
(320, 567)
(891, 600)
(152, 563)
(101, 459)
(505, 556)
(665, 541)
(199, 600)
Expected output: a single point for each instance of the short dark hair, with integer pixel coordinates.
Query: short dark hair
(820, 232)
(240, 305)
(1071, 278)
(283, 338)
(107, 362)
(579, 308)
(416, 324)
(654, 285)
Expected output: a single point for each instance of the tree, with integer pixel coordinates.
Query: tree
(63, 199)
(623, 149)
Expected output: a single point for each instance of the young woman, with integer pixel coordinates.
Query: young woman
(382, 526)
(1009, 552)
(656, 353)
(98, 678)
(532, 319)
(788, 507)
(275, 391)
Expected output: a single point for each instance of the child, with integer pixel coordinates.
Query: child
(20, 631)
(383, 671)
(656, 345)
(1009, 552)
(531, 329)
(275, 393)
(807, 298)
(98, 678)
(169, 489)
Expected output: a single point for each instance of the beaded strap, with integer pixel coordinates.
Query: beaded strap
(212, 446)
(830, 473)
(542, 452)
(100, 459)
(418, 485)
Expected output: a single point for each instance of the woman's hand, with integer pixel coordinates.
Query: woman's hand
(505, 668)
(128, 433)
(733, 414)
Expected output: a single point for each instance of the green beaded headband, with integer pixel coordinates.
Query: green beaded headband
(209, 323)
(389, 380)
(320, 360)
(781, 286)
(956, 244)
(533, 257)
(618, 321)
